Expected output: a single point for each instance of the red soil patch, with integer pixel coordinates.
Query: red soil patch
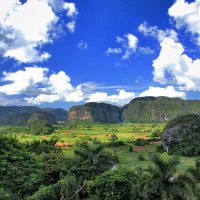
(138, 148)
(67, 132)
(64, 144)
(44, 137)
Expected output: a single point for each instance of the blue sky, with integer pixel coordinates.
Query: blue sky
(110, 51)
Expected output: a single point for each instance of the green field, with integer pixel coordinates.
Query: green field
(68, 136)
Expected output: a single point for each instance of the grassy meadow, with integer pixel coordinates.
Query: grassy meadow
(129, 154)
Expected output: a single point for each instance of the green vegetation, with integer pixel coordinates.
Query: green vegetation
(157, 109)
(95, 112)
(40, 127)
(19, 115)
(85, 160)
(182, 135)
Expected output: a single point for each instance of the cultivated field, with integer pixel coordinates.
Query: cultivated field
(129, 153)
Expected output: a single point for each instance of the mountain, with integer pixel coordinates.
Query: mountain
(42, 116)
(96, 112)
(59, 113)
(18, 115)
(158, 109)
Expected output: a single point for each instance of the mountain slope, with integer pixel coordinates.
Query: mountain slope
(18, 115)
(158, 109)
(96, 112)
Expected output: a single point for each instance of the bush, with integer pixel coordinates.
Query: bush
(157, 133)
(44, 146)
(112, 185)
(141, 142)
(141, 157)
(40, 127)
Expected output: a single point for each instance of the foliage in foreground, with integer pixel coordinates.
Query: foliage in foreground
(26, 174)
(159, 181)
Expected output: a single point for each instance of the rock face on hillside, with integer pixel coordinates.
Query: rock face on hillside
(158, 109)
(95, 112)
(182, 135)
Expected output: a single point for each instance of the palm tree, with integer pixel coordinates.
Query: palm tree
(161, 181)
(89, 152)
(94, 160)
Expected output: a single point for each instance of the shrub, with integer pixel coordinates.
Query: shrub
(40, 127)
(141, 142)
(141, 157)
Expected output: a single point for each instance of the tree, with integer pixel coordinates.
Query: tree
(113, 185)
(161, 181)
(40, 127)
(64, 189)
(20, 172)
(93, 160)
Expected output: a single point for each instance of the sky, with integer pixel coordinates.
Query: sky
(60, 53)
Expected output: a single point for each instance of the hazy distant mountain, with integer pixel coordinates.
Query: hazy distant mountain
(18, 115)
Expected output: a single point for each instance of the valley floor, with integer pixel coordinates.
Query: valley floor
(130, 155)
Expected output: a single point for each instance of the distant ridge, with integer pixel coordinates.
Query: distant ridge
(139, 110)
(18, 115)
(158, 109)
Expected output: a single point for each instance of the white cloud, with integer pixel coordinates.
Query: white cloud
(71, 26)
(120, 99)
(58, 88)
(174, 67)
(23, 81)
(35, 82)
(158, 91)
(129, 45)
(82, 44)
(113, 51)
(25, 27)
(41, 98)
(157, 33)
(188, 15)
(71, 9)
(146, 50)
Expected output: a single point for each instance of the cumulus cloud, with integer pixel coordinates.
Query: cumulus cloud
(82, 44)
(71, 9)
(26, 27)
(71, 26)
(36, 85)
(41, 87)
(129, 44)
(158, 91)
(113, 51)
(157, 33)
(187, 15)
(120, 99)
(23, 81)
(173, 66)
